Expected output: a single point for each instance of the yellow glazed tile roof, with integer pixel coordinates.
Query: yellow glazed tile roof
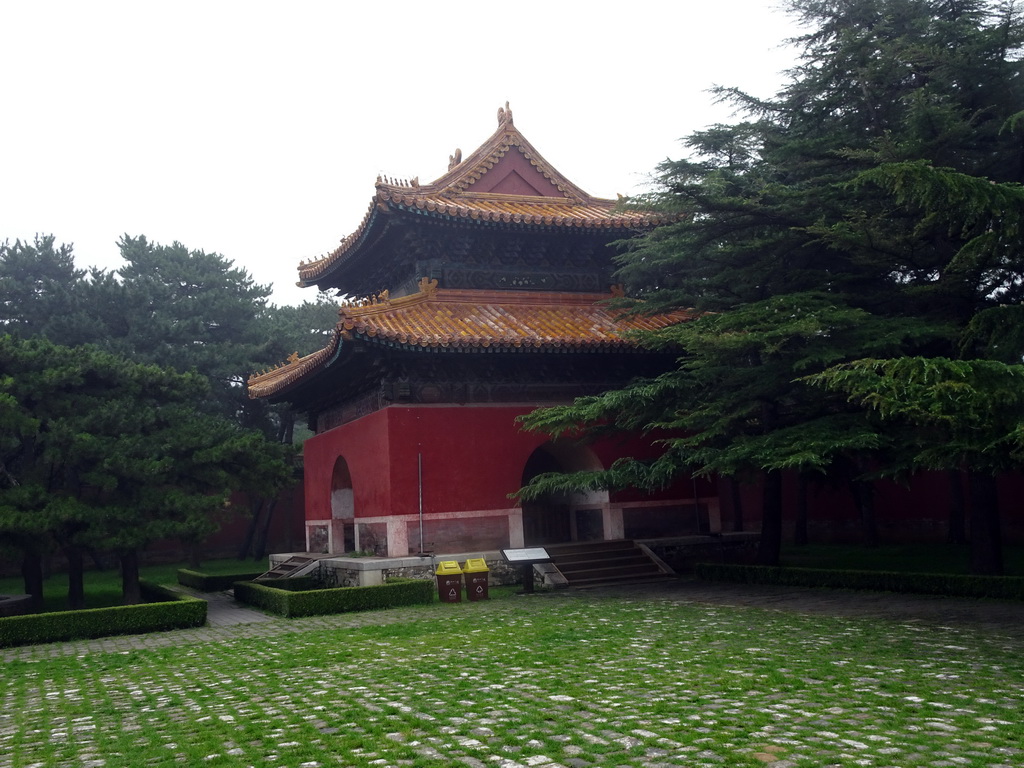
(539, 196)
(463, 319)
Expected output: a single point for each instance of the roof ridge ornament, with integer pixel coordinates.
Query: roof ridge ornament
(504, 115)
(455, 159)
(428, 286)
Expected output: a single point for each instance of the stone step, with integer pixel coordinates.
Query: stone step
(606, 562)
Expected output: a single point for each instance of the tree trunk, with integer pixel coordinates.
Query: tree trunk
(986, 536)
(864, 496)
(800, 526)
(255, 507)
(286, 430)
(76, 577)
(130, 590)
(735, 492)
(956, 533)
(260, 550)
(770, 546)
(195, 554)
(32, 573)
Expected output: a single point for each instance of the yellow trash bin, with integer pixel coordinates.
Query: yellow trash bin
(449, 582)
(476, 572)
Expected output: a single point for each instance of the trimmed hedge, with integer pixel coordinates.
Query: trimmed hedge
(211, 582)
(949, 585)
(167, 610)
(293, 583)
(319, 602)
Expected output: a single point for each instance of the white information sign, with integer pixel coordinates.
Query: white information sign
(528, 555)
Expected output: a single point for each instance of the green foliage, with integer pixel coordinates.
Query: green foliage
(732, 405)
(188, 310)
(870, 210)
(963, 412)
(944, 584)
(105, 453)
(38, 296)
(318, 602)
(168, 611)
(170, 306)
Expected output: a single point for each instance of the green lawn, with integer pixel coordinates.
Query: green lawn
(551, 680)
(103, 588)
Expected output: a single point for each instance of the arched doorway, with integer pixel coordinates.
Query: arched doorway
(342, 508)
(558, 518)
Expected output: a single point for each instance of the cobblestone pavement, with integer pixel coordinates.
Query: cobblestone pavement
(671, 675)
(229, 620)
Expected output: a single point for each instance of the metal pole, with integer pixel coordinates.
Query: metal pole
(419, 470)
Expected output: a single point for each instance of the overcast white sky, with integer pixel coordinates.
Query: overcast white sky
(256, 129)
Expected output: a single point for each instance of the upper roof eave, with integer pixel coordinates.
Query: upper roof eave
(471, 320)
(452, 195)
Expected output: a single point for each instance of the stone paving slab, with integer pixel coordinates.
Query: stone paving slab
(222, 610)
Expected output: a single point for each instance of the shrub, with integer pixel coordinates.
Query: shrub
(949, 585)
(212, 582)
(318, 602)
(166, 610)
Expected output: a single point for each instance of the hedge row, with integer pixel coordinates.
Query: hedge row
(293, 583)
(209, 582)
(318, 602)
(168, 610)
(950, 585)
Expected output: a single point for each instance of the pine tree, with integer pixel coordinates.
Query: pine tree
(100, 452)
(864, 212)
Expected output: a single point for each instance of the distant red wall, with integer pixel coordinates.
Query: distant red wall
(917, 510)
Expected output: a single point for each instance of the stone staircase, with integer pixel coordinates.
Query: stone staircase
(296, 565)
(604, 563)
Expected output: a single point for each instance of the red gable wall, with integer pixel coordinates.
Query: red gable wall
(515, 175)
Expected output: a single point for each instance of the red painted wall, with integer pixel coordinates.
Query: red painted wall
(364, 445)
(473, 458)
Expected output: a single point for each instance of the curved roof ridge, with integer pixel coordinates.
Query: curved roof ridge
(463, 174)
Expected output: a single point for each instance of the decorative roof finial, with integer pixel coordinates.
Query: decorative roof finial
(504, 115)
(455, 159)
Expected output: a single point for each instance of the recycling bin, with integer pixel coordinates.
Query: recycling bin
(476, 571)
(449, 582)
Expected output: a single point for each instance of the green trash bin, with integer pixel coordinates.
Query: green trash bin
(476, 572)
(449, 582)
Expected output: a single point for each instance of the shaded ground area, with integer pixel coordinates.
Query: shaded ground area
(998, 615)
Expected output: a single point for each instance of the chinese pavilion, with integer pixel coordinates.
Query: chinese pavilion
(485, 296)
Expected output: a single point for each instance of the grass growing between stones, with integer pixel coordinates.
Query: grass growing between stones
(549, 680)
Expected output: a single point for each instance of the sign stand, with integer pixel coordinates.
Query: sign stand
(526, 559)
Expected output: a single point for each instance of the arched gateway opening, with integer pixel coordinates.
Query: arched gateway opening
(557, 518)
(342, 508)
